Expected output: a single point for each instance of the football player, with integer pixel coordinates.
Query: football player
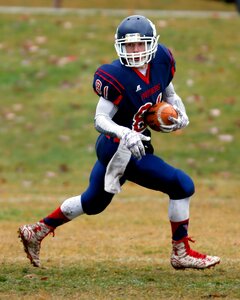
(140, 77)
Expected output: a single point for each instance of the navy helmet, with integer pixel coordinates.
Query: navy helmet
(136, 29)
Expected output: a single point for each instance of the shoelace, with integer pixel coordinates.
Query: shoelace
(191, 252)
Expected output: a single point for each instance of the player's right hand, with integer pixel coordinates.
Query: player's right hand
(133, 141)
(178, 123)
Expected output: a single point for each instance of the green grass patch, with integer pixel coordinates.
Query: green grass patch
(134, 4)
(109, 280)
(48, 103)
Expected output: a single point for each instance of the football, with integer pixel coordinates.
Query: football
(158, 114)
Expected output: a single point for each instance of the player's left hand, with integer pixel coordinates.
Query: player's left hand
(178, 123)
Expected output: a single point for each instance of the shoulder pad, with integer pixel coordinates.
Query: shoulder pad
(164, 55)
(106, 83)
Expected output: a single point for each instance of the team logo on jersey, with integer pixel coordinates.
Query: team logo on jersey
(138, 88)
(148, 93)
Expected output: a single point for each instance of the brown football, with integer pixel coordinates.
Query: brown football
(158, 114)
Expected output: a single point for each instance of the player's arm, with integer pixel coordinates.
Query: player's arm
(105, 111)
(170, 96)
(103, 122)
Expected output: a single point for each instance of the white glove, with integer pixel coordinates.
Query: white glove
(180, 122)
(133, 141)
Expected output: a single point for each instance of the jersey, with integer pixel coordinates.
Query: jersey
(133, 92)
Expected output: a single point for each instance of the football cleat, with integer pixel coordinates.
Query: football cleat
(183, 256)
(31, 237)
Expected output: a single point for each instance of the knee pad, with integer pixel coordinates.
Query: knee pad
(72, 207)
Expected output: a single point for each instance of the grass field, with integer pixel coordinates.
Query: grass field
(215, 5)
(47, 150)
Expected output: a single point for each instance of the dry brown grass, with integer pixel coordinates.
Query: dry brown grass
(131, 239)
(134, 227)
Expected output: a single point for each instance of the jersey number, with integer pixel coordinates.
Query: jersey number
(98, 87)
(138, 119)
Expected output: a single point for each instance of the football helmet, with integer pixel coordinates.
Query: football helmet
(136, 29)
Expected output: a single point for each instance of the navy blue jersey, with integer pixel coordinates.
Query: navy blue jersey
(133, 92)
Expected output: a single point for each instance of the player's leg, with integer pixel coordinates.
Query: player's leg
(182, 255)
(93, 201)
(153, 173)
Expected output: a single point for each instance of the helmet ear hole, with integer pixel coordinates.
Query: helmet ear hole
(136, 29)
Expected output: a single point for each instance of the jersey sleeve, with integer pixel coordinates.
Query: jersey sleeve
(107, 85)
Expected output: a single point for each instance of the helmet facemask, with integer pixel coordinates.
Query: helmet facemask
(137, 59)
